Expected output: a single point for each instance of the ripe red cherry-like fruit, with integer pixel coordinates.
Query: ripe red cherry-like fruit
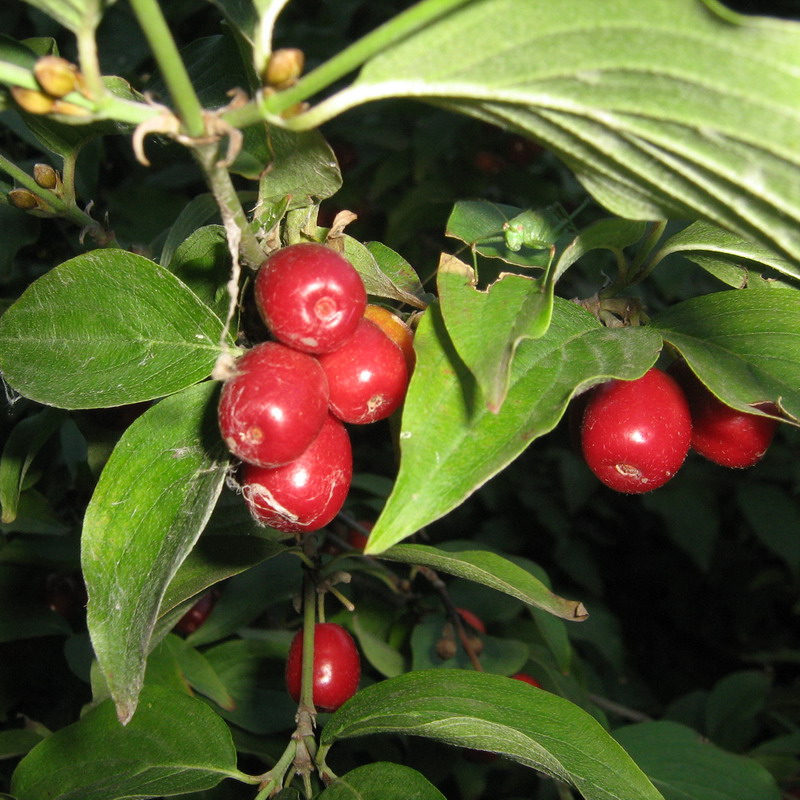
(274, 405)
(337, 666)
(635, 434)
(396, 330)
(308, 493)
(724, 435)
(367, 376)
(310, 297)
(525, 678)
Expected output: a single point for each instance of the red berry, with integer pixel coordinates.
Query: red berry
(724, 435)
(337, 666)
(472, 619)
(198, 613)
(635, 434)
(367, 376)
(272, 409)
(396, 330)
(308, 493)
(525, 678)
(310, 297)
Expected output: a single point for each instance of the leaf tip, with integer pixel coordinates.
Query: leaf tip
(580, 613)
(125, 710)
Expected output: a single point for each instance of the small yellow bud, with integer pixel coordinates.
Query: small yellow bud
(23, 199)
(32, 100)
(56, 76)
(45, 176)
(70, 109)
(285, 66)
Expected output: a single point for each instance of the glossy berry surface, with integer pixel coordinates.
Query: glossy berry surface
(635, 434)
(395, 329)
(308, 493)
(724, 435)
(274, 406)
(367, 376)
(337, 666)
(310, 297)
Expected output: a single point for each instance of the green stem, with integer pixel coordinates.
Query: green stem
(309, 625)
(343, 63)
(219, 182)
(89, 63)
(152, 22)
(274, 778)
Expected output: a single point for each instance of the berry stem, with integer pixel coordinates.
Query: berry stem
(309, 626)
(273, 779)
(233, 216)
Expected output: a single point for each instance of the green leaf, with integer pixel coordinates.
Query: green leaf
(75, 15)
(479, 224)
(382, 781)
(684, 766)
(302, 165)
(150, 505)
(381, 655)
(199, 211)
(774, 517)
(215, 557)
(17, 742)
(743, 345)
(401, 274)
(490, 712)
(486, 327)
(663, 109)
(733, 707)
(244, 555)
(722, 254)
(198, 672)
(377, 282)
(21, 447)
(451, 444)
(107, 328)
(202, 261)
(489, 569)
(174, 745)
(605, 234)
(252, 671)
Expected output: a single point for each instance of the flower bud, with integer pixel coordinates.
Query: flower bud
(56, 76)
(32, 100)
(70, 109)
(284, 67)
(45, 176)
(23, 199)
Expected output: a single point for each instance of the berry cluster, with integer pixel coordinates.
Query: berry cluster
(331, 361)
(636, 434)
